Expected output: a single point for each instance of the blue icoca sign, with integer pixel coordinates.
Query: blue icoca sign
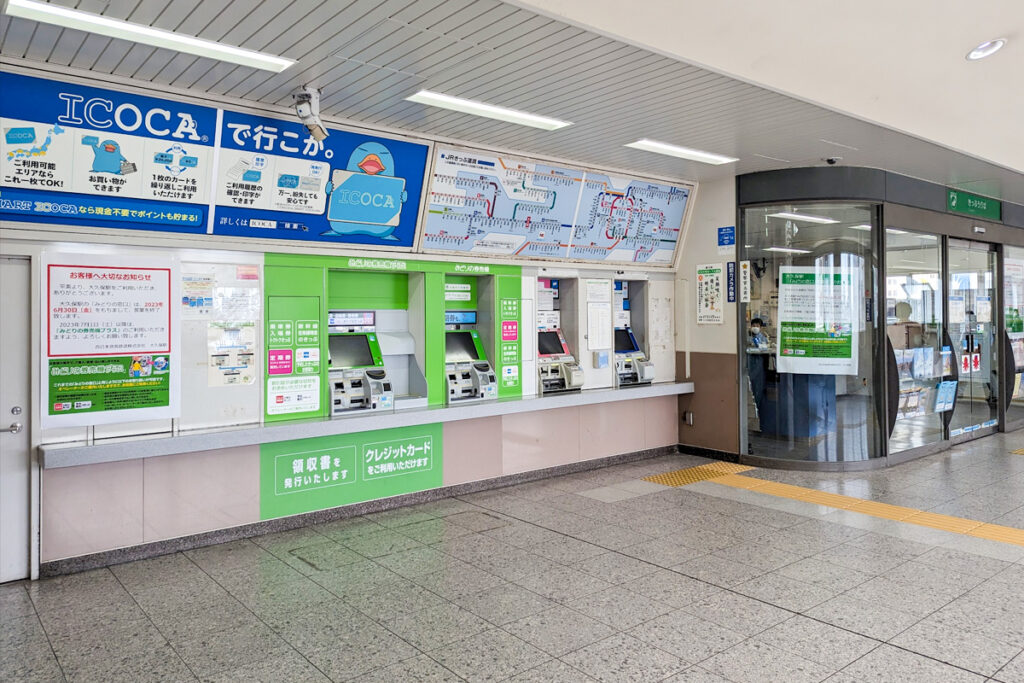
(52, 102)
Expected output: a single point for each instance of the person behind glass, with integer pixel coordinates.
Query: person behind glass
(757, 365)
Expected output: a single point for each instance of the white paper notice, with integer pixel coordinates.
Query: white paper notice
(599, 326)
(293, 394)
(108, 310)
(710, 294)
(744, 282)
(599, 290)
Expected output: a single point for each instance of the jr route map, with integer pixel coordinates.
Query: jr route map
(489, 204)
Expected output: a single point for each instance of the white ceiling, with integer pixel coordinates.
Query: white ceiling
(368, 55)
(899, 64)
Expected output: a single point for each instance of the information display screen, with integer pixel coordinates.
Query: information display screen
(350, 351)
(624, 342)
(548, 344)
(460, 317)
(459, 346)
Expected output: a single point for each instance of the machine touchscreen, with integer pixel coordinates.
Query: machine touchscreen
(624, 342)
(548, 344)
(350, 351)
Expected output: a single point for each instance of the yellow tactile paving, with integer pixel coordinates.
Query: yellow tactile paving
(883, 510)
(995, 532)
(959, 525)
(945, 522)
(726, 473)
(691, 475)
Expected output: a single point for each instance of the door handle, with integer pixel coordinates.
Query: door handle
(15, 428)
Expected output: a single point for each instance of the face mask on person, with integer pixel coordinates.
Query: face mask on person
(755, 330)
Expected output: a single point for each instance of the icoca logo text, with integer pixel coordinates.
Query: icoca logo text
(101, 113)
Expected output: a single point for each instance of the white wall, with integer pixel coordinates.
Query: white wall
(714, 207)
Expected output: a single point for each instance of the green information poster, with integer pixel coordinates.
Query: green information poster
(293, 356)
(818, 320)
(88, 385)
(329, 471)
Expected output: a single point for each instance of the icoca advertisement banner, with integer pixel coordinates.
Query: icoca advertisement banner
(73, 154)
(275, 181)
(818, 309)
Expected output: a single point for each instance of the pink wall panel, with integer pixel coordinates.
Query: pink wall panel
(90, 508)
(472, 450)
(539, 439)
(196, 492)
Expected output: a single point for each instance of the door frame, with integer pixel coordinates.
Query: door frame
(951, 226)
(31, 252)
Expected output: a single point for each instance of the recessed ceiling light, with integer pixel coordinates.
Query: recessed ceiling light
(863, 227)
(681, 152)
(47, 13)
(807, 218)
(986, 49)
(490, 111)
(788, 250)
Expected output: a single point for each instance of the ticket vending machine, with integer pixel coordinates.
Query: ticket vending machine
(356, 374)
(557, 369)
(631, 365)
(469, 373)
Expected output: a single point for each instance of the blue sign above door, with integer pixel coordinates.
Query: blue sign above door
(72, 154)
(275, 181)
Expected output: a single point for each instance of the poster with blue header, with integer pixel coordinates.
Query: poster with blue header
(77, 155)
(275, 181)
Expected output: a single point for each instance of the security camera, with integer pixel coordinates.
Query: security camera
(832, 161)
(307, 108)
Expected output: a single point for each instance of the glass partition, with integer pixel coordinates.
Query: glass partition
(914, 328)
(808, 341)
(1013, 307)
(972, 327)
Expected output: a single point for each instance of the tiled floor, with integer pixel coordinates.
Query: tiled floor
(594, 576)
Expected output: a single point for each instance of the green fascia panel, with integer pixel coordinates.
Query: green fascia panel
(306, 475)
(437, 383)
(354, 290)
(508, 336)
(388, 264)
(461, 280)
(294, 295)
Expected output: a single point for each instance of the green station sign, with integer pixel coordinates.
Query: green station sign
(958, 201)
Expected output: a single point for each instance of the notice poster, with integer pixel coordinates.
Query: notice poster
(232, 351)
(710, 294)
(818, 316)
(110, 339)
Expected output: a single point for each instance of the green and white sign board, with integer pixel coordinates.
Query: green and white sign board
(818, 320)
(958, 201)
(328, 471)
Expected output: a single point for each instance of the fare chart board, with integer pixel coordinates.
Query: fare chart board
(488, 204)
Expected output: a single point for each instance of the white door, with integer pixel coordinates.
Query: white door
(15, 457)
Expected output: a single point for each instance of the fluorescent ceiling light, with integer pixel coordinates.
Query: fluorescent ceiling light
(681, 152)
(147, 35)
(490, 111)
(788, 250)
(802, 217)
(895, 231)
(986, 49)
(863, 227)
